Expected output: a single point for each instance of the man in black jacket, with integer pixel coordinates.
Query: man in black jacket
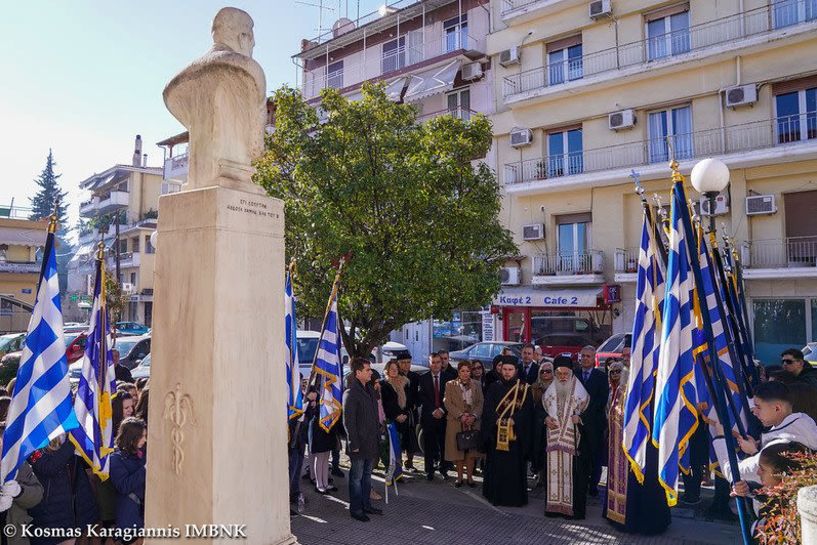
(432, 416)
(595, 417)
(795, 363)
(528, 368)
(448, 370)
(362, 428)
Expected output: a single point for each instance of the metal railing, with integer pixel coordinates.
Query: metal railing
(786, 130)
(365, 19)
(780, 14)
(460, 113)
(176, 167)
(26, 268)
(511, 5)
(569, 263)
(626, 260)
(790, 252)
(375, 64)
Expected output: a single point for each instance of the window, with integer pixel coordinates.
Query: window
(791, 12)
(455, 32)
(133, 278)
(334, 75)
(573, 242)
(778, 324)
(123, 246)
(481, 350)
(134, 245)
(394, 55)
(671, 127)
(565, 64)
(564, 153)
(459, 104)
(668, 35)
(796, 115)
(148, 246)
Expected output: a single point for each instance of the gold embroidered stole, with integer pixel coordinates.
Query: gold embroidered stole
(505, 409)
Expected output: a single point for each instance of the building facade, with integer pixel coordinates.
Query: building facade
(20, 241)
(122, 211)
(590, 94)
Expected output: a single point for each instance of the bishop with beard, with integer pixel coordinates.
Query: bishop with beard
(564, 402)
(506, 426)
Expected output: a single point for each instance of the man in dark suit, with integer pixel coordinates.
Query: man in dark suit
(595, 417)
(528, 369)
(432, 416)
(448, 370)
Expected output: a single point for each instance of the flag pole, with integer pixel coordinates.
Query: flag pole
(332, 295)
(720, 396)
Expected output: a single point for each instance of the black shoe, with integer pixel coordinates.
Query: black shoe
(430, 477)
(373, 511)
(332, 489)
(361, 517)
(457, 484)
(337, 472)
(445, 476)
(472, 484)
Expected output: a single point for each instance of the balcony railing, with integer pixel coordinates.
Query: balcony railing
(626, 260)
(786, 130)
(15, 212)
(25, 268)
(569, 263)
(460, 113)
(511, 5)
(780, 14)
(176, 167)
(376, 64)
(784, 253)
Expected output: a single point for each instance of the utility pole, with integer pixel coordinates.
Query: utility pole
(116, 249)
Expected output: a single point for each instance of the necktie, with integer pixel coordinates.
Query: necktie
(436, 392)
(586, 376)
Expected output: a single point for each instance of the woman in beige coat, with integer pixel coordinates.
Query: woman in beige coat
(463, 404)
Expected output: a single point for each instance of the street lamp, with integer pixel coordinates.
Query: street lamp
(709, 178)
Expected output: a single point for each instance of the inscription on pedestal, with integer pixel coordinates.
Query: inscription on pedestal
(253, 208)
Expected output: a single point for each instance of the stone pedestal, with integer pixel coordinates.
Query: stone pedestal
(217, 435)
(807, 507)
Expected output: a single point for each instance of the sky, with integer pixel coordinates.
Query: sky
(84, 77)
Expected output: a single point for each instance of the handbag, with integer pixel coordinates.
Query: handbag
(467, 440)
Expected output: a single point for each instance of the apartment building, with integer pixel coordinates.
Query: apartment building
(591, 93)
(122, 210)
(430, 53)
(20, 240)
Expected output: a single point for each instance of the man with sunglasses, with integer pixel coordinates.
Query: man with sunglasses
(794, 362)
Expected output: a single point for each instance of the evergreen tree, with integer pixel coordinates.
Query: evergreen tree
(43, 202)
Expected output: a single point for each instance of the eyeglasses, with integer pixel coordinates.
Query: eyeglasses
(615, 371)
(786, 361)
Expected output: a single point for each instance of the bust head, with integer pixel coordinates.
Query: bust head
(233, 27)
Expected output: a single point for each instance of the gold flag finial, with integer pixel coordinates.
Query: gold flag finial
(52, 223)
(100, 250)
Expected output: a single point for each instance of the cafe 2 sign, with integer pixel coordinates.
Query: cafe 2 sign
(543, 298)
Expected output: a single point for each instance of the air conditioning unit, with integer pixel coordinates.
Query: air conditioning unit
(509, 56)
(471, 71)
(758, 205)
(743, 95)
(533, 231)
(600, 8)
(721, 205)
(510, 276)
(625, 119)
(127, 287)
(521, 137)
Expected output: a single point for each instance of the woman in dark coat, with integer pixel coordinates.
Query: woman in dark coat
(128, 475)
(68, 501)
(395, 392)
(321, 445)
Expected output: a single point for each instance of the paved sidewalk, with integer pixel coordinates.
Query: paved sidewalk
(434, 513)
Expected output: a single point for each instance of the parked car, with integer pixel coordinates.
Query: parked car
(810, 352)
(612, 347)
(131, 328)
(563, 344)
(142, 370)
(75, 345)
(74, 349)
(11, 342)
(485, 352)
(132, 350)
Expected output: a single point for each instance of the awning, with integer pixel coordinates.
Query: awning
(24, 237)
(555, 297)
(394, 90)
(432, 82)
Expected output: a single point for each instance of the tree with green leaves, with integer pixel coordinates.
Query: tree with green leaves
(43, 203)
(403, 200)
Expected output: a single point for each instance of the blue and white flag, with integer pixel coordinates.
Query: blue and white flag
(94, 437)
(644, 353)
(395, 468)
(295, 400)
(40, 408)
(327, 365)
(675, 418)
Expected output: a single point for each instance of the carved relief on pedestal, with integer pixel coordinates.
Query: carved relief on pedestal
(178, 409)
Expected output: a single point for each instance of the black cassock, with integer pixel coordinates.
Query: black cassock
(506, 479)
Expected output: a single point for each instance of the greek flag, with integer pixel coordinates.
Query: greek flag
(675, 413)
(644, 356)
(295, 401)
(94, 437)
(41, 407)
(327, 366)
(395, 468)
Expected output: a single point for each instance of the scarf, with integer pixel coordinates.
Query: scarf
(399, 384)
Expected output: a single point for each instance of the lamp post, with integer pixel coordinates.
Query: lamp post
(709, 178)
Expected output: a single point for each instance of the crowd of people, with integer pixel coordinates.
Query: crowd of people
(535, 422)
(55, 487)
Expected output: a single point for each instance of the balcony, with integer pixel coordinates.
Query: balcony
(87, 207)
(376, 65)
(176, 168)
(791, 257)
(104, 204)
(647, 55)
(126, 259)
(524, 10)
(19, 268)
(568, 269)
(759, 141)
(460, 113)
(626, 264)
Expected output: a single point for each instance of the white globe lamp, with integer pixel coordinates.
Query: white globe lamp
(154, 237)
(710, 176)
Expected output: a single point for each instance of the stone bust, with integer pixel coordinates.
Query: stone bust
(221, 100)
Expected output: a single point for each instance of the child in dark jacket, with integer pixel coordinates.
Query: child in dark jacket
(128, 473)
